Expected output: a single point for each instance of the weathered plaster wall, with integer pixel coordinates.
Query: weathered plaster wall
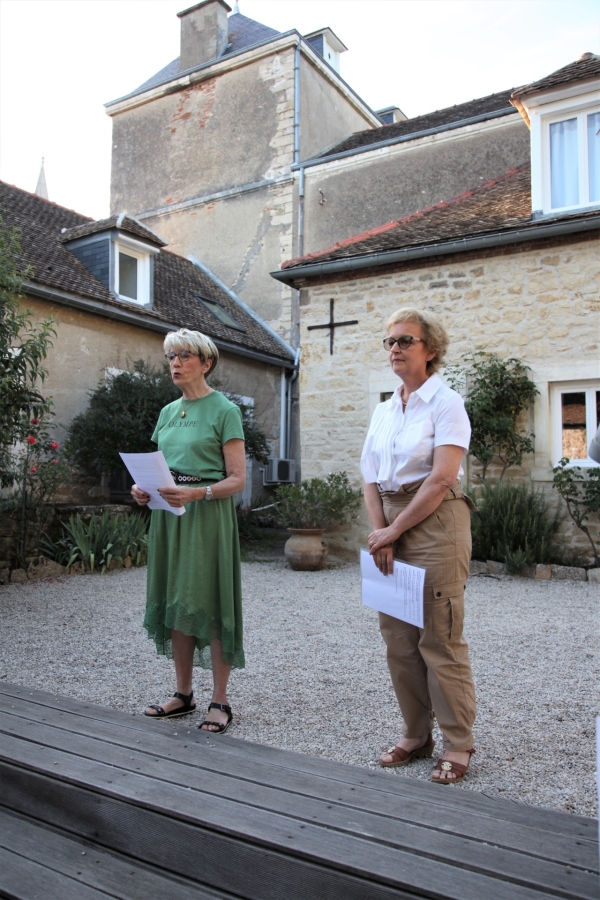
(240, 238)
(370, 189)
(85, 345)
(208, 137)
(326, 116)
(541, 305)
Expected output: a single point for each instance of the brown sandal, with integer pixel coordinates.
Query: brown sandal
(401, 757)
(445, 765)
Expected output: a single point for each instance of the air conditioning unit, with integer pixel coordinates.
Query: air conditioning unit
(278, 471)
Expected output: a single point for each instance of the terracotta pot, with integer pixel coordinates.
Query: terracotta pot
(306, 550)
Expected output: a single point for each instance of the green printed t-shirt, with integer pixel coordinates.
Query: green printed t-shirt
(194, 445)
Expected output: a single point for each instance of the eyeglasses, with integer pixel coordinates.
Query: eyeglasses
(404, 341)
(183, 355)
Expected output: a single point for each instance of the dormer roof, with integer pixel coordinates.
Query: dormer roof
(586, 67)
(122, 222)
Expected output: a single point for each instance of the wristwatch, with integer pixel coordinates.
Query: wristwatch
(208, 495)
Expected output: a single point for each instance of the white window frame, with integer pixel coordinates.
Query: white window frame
(573, 387)
(543, 111)
(143, 274)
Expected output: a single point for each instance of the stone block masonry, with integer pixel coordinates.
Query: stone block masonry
(539, 304)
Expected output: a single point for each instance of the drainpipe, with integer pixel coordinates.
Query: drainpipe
(290, 384)
(283, 414)
(297, 103)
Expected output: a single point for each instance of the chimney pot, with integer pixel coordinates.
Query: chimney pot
(204, 33)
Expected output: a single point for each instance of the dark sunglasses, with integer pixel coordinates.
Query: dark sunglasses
(404, 341)
(183, 355)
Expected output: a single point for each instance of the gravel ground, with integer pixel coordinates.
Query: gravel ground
(316, 679)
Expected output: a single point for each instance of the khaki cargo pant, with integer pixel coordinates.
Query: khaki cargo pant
(429, 667)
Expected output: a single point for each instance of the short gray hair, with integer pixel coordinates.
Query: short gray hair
(195, 342)
(434, 334)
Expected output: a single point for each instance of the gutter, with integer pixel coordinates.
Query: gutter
(97, 308)
(415, 135)
(216, 280)
(478, 242)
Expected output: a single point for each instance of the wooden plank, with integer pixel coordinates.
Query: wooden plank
(22, 879)
(404, 788)
(115, 876)
(435, 832)
(363, 857)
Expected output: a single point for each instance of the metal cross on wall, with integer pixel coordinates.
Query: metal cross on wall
(331, 325)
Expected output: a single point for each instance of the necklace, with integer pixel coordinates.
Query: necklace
(184, 410)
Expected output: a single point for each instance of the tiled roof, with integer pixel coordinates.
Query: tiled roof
(484, 105)
(587, 66)
(500, 204)
(243, 32)
(126, 223)
(176, 280)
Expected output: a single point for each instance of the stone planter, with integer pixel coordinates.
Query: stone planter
(306, 550)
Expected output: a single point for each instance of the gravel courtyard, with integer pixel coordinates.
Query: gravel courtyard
(316, 679)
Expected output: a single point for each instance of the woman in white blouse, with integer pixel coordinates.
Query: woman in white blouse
(411, 464)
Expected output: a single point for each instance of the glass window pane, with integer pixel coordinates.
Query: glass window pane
(593, 139)
(564, 165)
(128, 286)
(574, 431)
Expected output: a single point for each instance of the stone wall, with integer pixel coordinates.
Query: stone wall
(540, 304)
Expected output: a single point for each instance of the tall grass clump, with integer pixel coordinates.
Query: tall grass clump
(515, 525)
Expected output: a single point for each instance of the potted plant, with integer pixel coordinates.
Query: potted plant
(308, 509)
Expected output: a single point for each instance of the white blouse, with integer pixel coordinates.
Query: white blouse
(399, 445)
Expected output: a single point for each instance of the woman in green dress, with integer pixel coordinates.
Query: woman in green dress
(194, 596)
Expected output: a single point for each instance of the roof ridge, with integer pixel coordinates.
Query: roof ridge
(15, 187)
(411, 217)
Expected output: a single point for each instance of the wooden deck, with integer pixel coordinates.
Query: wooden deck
(95, 803)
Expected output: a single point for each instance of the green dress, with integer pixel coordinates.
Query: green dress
(194, 574)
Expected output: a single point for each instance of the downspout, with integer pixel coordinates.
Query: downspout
(282, 419)
(290, 384)
(297, 149)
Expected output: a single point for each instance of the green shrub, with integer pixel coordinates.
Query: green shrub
(317, 502)
(122, 415)
(101, 540)
(514, 525)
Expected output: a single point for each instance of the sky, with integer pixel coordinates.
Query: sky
(61, 60)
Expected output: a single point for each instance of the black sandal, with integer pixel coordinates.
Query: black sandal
(184, 710)
(220, 728)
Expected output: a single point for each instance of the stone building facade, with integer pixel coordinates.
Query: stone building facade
(504, 277)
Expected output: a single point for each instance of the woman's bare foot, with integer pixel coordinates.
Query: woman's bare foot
(170, 706)
(450, 756)
(215, 715)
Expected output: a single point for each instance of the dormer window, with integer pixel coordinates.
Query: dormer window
(132, 273)
(563, 113)
(573, 146)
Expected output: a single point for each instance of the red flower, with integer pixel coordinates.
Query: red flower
(74, 472)
(31, 440)
(55, 461)
(54, 445)
(34, 470)
(35, 421)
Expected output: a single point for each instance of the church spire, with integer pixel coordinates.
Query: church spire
(41, 189)
(236, 9)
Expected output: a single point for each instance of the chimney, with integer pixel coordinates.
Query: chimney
(204, 33)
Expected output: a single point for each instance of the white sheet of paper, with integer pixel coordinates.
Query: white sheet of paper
(151, 472)
(399, 595)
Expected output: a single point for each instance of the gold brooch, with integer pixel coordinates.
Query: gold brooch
(446, 766)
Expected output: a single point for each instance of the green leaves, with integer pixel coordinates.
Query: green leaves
(581, 493)
(317, 502)
(498, 391)
(100, 540)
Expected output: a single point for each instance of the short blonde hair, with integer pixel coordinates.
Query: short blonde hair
(434, 333)
(195, 342)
